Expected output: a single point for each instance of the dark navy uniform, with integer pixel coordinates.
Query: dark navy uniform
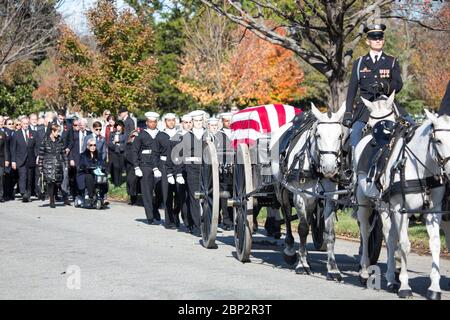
(148, 153)
(224, 151)
(162, 185)
(372, 80)
(192, 147)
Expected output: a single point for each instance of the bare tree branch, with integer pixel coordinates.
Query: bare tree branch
(28, 29)
(420, 23)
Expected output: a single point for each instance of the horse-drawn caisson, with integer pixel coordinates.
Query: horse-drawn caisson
(282, 158)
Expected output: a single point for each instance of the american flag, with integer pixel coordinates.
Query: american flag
(251, 123)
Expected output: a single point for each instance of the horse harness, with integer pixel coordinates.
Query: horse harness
(418, 185)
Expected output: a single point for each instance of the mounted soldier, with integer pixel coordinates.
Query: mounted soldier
(376, 74)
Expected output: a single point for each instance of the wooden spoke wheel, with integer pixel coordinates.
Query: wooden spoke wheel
(243, 210)
(318, 226)
(209, 195)
(375, 238)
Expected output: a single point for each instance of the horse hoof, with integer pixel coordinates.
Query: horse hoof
(290, 260)
(393, 288)
(405, 294)
(363, 280)
(303, 270)
(433, 295)
(331, 276)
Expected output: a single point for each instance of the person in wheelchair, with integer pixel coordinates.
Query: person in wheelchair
(92, 178)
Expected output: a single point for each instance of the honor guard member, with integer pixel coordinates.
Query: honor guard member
(224, 150)
(226, 123)
(149, 150)
(186, 124)
(192, 146)
(374, 74)
(165, 188)
(176, 189)
(181, 174)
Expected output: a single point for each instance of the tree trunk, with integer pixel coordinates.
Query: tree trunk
(338, 92)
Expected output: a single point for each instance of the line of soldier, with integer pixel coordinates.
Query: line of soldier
(169, 163)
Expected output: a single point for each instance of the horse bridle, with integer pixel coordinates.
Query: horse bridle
(440, 160)
(337, 154)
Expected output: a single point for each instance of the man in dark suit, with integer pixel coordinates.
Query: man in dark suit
(129, 123)
(374, 74)
(23, 157)
(4, 159)
(8, 184)
(77, 147)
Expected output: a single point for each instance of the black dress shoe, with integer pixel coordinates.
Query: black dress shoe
(2, 200)
(52, 205)
(67, 203)
(150, 221)
(196, 232)
(25, 199)
(170, 226)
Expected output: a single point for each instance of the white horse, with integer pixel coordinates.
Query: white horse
(430, 142)
(322, 147)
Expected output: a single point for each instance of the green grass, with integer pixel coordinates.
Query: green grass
(348, 227)
(118, 193)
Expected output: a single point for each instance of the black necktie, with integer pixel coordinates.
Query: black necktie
(376, 58)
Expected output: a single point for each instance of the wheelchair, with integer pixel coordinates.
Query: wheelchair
(98, 201)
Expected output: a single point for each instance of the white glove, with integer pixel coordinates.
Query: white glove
(157, 173)
(170, 179)
(180, 179)
(138, 172)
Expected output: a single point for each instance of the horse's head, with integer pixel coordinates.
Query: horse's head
(440, 138)
(380, 109)
(329, 137)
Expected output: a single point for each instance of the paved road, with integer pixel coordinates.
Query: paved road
(120, 257)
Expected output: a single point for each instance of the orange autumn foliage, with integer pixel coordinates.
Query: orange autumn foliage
(254, 71)
(431, 63)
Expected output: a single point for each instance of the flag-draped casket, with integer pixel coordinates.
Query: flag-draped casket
(250, 124)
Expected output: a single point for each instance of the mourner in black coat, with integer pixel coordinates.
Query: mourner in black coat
(116, 152)
(52, 161)
(4, 160)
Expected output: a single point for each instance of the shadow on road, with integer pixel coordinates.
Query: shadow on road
(269, 251)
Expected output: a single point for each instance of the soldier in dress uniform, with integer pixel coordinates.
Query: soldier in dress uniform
(226, 123)
(374, 74)
(176, 189)
(150, 150)
(165, 187)
(180, 169)
(223, 147)
(192, 148)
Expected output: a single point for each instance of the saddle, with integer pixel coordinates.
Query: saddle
(377, 152)
(302, 123)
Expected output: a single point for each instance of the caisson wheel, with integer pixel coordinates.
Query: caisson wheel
(209, 195)
(243, 210)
